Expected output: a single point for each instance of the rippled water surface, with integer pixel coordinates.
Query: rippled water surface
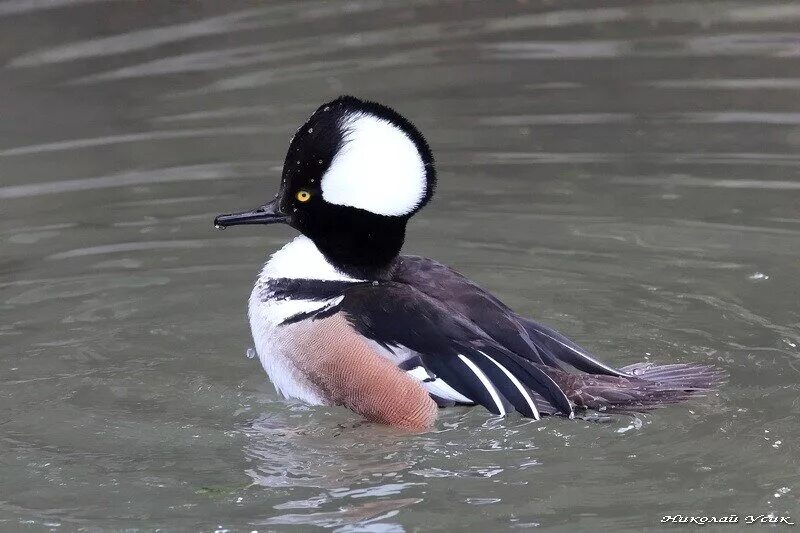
(627, 172)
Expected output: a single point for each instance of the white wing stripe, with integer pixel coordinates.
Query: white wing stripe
(517, 384)
(437, 386)
(486, 383)
(418, 373)
(440, 388)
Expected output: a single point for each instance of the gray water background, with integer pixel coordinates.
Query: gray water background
(627, 172)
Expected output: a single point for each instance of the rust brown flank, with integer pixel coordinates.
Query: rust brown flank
(347, 371)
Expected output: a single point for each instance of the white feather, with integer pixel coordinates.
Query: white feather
(486, 383)
(274, 346)
(378, 168)
(418, 373)
(518, 385)
(437, 386)
(299, 258)
(397, 354)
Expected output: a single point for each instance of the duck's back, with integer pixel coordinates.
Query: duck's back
(596, 386)
(522, 336)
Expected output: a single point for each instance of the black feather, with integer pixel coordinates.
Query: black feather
(398, 314)
(534, 377)
(303, 289)
(504, 384)
(459, 376)
(565, 350)
(528, 339)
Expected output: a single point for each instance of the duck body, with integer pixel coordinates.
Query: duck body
(339, 317)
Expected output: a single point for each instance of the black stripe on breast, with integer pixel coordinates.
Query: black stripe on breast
(304, 289)
(317, 314)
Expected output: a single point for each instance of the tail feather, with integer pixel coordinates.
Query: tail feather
(680, 376)
(646, 386)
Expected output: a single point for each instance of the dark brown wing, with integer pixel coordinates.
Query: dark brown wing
(452, 349)
(533, 341)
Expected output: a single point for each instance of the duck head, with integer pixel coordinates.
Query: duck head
(355, 173)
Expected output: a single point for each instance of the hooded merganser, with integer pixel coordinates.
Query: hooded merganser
(340, 318)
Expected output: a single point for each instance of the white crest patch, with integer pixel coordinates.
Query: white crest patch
(378, 168)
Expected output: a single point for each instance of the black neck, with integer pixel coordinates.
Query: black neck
(364, 249)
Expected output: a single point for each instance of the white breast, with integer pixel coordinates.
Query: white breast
(273, 342)
(276, 343)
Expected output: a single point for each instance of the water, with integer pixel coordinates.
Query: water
(625, 172)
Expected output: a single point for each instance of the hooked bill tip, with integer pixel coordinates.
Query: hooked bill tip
(217, 223)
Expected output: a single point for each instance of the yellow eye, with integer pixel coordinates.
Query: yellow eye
(303, 196)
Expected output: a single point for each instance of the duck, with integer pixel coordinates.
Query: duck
(340, 317)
